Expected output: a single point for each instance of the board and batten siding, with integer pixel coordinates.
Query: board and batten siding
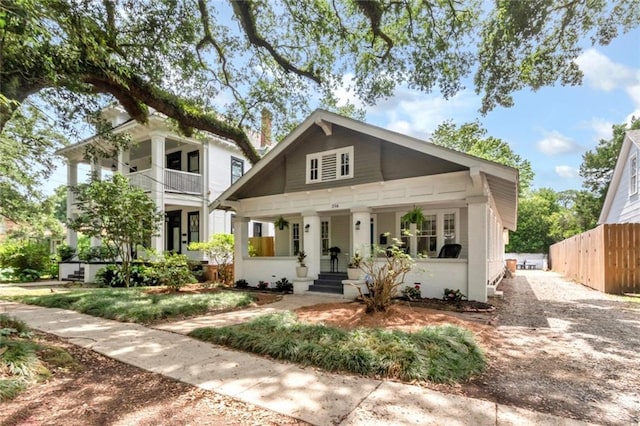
(625, 208)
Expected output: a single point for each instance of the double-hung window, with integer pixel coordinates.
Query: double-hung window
(330, 165)
(439, 227)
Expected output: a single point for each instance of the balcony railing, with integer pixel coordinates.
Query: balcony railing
(142, 179)
(174, 181)
(182, 182)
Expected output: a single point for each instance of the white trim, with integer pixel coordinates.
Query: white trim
(325, 170)
(633, 174)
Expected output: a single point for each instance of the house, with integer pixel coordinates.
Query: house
(181, 174)
(622, 202)
(343, 183)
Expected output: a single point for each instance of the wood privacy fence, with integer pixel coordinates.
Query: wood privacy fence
(606, 258)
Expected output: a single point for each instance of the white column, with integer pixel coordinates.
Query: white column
(361, 226)
(96, 174)
(204, 168)
(157, 186)
(241, 249)
(311, 242)
(121, 163)
(478, 213)
(72, 180)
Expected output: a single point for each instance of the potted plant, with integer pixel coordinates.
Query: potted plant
(280, 223)
(301, 269)
(414, 215)
(353, 269)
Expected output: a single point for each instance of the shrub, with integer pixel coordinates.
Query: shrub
(453, 295)
(22, 255)
(173, 271)
(65, 252)
(284, 285)
(242, 284)
(96, 254)
(263, 285)
(412, 292)
(110, 276)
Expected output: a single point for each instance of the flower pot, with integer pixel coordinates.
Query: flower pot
(301, 271)
(354, 273)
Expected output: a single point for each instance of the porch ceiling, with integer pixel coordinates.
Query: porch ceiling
(505, 194)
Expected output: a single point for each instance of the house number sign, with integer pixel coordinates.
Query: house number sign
(335, 206)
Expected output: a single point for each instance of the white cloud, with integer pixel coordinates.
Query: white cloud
(601, 127)
(634, 94)
(555, 143)
(417, 114)
(602, 73)
(566, 172)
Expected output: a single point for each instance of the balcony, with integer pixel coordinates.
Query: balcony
(174, 181)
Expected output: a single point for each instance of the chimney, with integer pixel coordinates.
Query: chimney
(265, 128)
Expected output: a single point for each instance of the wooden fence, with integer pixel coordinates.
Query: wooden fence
(606, 258)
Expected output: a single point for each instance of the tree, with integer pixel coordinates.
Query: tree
(536, 213)
(27, 144)
(472, 138)
(219, 249)
(598, 164)
(385, 270)
(185, 58)
(122, 215)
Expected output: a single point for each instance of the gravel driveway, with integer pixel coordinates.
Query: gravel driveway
(568, 350)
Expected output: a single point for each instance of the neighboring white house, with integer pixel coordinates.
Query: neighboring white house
(182, 175)
(622, 203)
(343, 183)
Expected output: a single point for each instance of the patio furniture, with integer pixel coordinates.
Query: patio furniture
(450, 251)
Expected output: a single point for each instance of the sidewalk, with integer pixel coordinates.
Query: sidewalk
(308, 394)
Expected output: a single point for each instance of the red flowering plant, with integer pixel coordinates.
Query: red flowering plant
(412, 293)
(453, 295)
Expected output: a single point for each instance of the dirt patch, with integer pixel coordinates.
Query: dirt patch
(104, 391)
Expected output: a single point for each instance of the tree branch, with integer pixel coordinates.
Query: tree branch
(373, 11)
(243, 11)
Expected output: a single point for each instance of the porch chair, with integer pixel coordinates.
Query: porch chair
(450, 251)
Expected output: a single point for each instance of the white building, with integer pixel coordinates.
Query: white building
(343, 183)
(183, 175)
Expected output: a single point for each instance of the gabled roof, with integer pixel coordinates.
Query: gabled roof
(503, 180)
(631, 137)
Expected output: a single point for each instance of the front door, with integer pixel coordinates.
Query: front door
(174, 228)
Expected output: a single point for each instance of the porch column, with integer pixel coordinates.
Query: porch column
(121, 163)
(477, 272)
(157, 186)
(361, 226)
(204, 171)
(241, 246)
(311, 242)
(96, 174)
(72, 180)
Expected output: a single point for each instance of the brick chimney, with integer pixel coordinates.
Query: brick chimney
(265, 128)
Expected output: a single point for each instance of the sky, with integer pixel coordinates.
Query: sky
(552, 127)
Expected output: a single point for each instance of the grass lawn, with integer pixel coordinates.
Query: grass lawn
(436, 353)
(134, 305)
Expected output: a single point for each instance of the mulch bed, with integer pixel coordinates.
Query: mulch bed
(449, 305)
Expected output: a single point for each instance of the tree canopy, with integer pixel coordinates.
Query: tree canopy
(213, 65)
(472, 138)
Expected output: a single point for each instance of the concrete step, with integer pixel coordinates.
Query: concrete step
(326, 289)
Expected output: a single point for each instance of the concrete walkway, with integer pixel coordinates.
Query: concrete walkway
(308, 394)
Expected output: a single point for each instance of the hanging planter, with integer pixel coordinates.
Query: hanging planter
(280, 223)
(415, 215)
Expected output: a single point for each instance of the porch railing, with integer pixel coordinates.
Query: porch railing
(174, 181)
(142, 179)
(184, 182)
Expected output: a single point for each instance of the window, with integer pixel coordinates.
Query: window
(194, 226)
(295, 237)
(633, 175)
(237, 169)
(324, 237)
(330, 165)
(257, 229)
(193, 162)
(438, 228)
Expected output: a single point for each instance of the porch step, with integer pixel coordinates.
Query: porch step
(78, 275)
(328, 282)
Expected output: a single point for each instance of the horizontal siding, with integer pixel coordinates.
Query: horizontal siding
(625, 208)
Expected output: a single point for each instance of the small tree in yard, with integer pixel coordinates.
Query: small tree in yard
(219, 249)
(122, 215)
(385, 271)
